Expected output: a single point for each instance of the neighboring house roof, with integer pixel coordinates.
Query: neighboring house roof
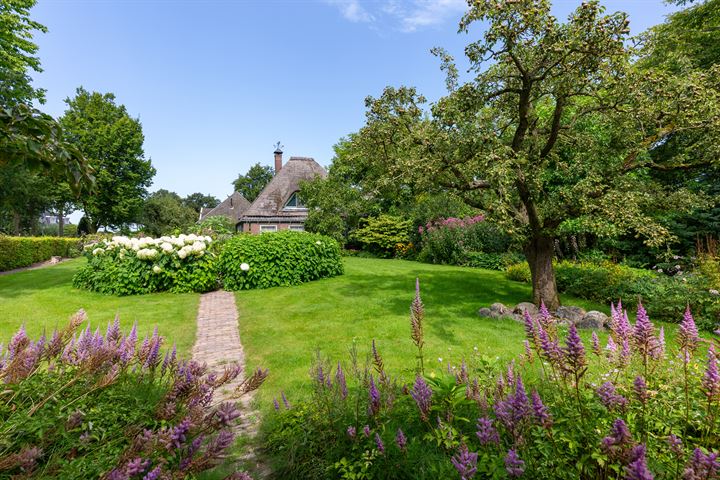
(232, 207)
(270, 204)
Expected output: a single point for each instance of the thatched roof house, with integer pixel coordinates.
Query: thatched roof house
(232, 207)
(279, 207)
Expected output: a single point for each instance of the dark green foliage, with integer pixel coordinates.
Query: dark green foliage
(252, 183)
(278, 259)
(215, 225)
(384, 235)
(198, 201)
(17, 252)
(492, 261)
(165, 212)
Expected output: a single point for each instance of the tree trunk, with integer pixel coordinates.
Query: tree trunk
(539, 253)
(16, 223)
(61, 221)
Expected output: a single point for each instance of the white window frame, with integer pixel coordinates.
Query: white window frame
(268, 228)
(296, 228)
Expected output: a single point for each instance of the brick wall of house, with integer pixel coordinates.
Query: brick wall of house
(255, 227)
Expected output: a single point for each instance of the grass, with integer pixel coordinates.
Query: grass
(43, 299)
(283, 328)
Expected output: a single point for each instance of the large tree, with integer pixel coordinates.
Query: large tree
(251, 184)
(112, 142)
(553, 134)
(164, 212)
(198, 201)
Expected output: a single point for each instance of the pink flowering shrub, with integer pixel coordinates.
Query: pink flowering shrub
(79, 404)
(629, 407)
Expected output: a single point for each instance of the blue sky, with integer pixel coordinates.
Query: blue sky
(217, 83)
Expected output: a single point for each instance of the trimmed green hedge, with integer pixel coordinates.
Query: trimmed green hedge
(278, 259)
(18, 252)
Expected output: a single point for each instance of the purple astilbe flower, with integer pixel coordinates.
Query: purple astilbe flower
(178, 434)
(285, 400)
(227, 412)
(575, 361)
(18, 342)
(276, 405)
(28, 457)
(550, 349)
(610, 398)
(465, 462)
(624, 358)
(528, 351)
(74, 420)
(530, 330)
(659, 352)
(351, 432)
(643, 334)
(401, 440)
(417, 314)
(153, 474)
(513, 465)
(611, 346)
(637, 469)
(511, 374)
(127, 350)
(676, 445)
(617, 445)
(711, 379)
(596, 344)
(544, 312)
(113, 334)
(366, 431)
(136, 466)
(339, 381)
(542, 415)
(702, 466)
(379, 443)
(688, 335)
(374, 394)
(512, 411)
(462, 376)
(422, 394)
(486, 432)
(640, 389)
(153, 355)
(320, 375)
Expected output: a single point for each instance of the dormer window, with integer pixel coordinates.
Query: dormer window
(294, 202)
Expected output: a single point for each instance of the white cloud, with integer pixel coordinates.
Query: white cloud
(405, 15)
(352, 10)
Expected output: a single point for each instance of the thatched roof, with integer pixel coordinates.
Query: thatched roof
(271, 201)
(232, 207)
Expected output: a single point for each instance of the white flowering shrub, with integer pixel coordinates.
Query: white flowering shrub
(127, 266)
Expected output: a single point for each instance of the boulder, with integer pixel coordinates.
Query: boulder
(521, 307)
(593, 319)
(571, 314)
(55, 259)
(500, 310)
(486, 312)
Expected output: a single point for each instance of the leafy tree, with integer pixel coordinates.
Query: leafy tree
(23, 197)
(112, 142)
(165, 211)
(554, 134)
(18, 53)
(252, 183)
(197, 201)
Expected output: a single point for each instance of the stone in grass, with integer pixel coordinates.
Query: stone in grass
(521, 307)
(486, 313)
(500, 310)
(571, 314)
(593, 319)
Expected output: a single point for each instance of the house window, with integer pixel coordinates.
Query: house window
(296, 228)
(294, 202)
(268, 228)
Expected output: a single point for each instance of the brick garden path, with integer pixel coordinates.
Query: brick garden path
(217, 344)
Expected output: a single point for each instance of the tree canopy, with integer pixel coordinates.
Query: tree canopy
(555, 132)
(164, 211)
(112, 142)
(252, 183)
(198, 201)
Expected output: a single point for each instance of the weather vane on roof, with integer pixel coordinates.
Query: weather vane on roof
(278, 146)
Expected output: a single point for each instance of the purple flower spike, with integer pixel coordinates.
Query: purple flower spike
(276, 404)
(379, 443)
(638, 470)
(688, 336)
(643, 333)
(401, 440)
(465, 462)
(285, 400)
(676, 445)
(617, 444)
(486, 433)
(351, 432)
(702, 466)
(366, 431)
(530, 332)
(340, 381)
(544, 312)
(422, 394)
(610, 398)
(711, 380)
(575, 353)
(611, 346)
(153, 474)
(596, 344)
(513, 465)
(640, 388)
(374, 394)
(540, 410)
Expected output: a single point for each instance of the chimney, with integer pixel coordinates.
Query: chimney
(278, 158)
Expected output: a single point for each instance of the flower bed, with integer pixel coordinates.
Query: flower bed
(278, 259)
(629, 408)
(78, 404)
(18, 252)
(126, 266)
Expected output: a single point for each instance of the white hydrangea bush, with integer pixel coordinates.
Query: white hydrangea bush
(169, 263)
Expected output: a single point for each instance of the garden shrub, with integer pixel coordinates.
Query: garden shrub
(278, 259)
(83, 405)
(469, 241)
(519, 272)
(632, 409)
(128, 266)
(18, 252)
(385, 235)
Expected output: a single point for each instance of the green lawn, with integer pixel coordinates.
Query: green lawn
(282, 328)
(43, 299)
